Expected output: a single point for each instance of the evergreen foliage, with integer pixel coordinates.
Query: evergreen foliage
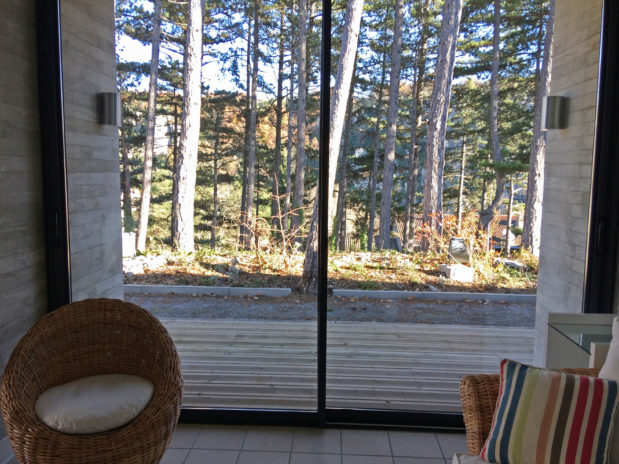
(224, 128)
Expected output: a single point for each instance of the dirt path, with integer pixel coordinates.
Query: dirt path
(295, 307)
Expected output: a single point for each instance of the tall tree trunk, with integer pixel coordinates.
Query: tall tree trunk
(147, 176)
(251, 158)
(340, 215)
(486, 215)
(299, 172)
(417, 102)
(413, 165)
(374, 175)
(174, 158)
(277, 156)
(187, 161)
(286, 218)
(510, 204)
(243, 231)
(439, 109)
(256, 192)
(128, 222)
(215, 174)
(461, 184)
(535, 181)
(339, 101)
(384, 237)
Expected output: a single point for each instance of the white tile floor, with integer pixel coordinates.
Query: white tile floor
(214, 444)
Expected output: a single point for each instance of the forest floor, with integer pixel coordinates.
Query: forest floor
(351, 270)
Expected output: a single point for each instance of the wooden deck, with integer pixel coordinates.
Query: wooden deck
(272, 364)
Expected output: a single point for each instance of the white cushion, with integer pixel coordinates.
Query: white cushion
(610, 370)
(466, 459)
(94, 404)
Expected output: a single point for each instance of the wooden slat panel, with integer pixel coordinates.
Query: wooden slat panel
(271, 364)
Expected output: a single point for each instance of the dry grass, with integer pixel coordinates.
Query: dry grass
(386, 270)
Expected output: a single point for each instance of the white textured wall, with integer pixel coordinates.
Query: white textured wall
(568, 164)
(88, 41)
(92, 149)
(22, 250)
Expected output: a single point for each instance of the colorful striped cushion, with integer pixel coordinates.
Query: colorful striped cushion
(550, 417)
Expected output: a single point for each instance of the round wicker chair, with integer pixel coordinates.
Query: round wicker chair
(92, 337)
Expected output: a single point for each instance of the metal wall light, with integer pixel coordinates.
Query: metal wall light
(554, 112)
(108, 108)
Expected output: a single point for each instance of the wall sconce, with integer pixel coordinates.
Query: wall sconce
(554, 112)
(108, 108)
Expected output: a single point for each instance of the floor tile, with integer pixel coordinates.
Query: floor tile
(212, 457)
(415, 444)
(220, 437)
(366, 442)
(269, 439)
(185, 436)
(348, 459)
(263, 457)
(452, 443)
(313, 458)
(310, 440)
(174, 456)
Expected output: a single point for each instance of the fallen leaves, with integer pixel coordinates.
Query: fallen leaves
(352, 270)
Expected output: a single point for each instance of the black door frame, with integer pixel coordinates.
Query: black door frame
(601, 259)
(602, 242)
(53, 153)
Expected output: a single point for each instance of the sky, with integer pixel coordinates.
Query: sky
(129, 49)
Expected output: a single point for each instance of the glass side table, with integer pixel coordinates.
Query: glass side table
(584, 335)
(570, 337)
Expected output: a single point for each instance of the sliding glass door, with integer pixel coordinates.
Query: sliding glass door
(246, 340)
(336, 271)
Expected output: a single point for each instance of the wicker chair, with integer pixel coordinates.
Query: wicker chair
(479, 394)
(92, 337)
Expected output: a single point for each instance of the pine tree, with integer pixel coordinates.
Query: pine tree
(187, 159)
(339, 100)
(279, 111)
(253, 114)
(535, 181)
(299, 174)
(419, 74)
(384, 237)
(150, 130)
(437, 121)
(487, 214)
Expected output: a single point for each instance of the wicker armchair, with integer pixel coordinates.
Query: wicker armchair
(479, 394)
(92, 337)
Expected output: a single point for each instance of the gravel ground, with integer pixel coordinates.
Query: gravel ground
(296, 307)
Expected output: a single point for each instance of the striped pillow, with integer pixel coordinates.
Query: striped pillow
(550, 417)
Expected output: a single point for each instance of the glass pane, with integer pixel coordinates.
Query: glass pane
(245, 340)
(430, 278)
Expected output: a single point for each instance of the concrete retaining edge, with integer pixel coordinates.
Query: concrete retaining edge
(453, 296)
(276, 292)
(202, 290)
